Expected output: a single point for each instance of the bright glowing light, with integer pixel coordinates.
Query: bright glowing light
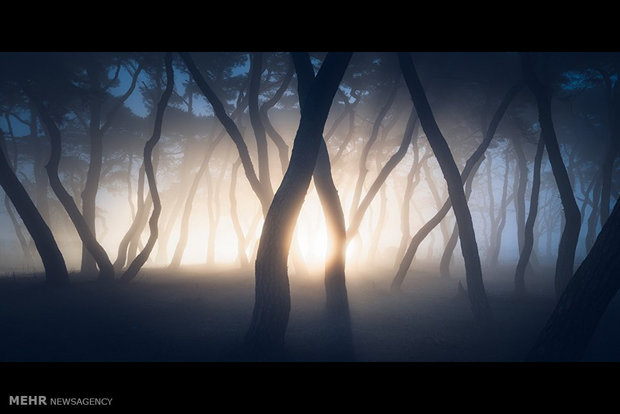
(311, 234)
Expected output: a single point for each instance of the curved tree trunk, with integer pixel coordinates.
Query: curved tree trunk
(256, 69)
(394, 160)
(572, 324)
(261, 189)
(469, 165)
(611, 153)
(570, 235)
(337, 302)
(106, 270)
(272, 299)
(234, 216)
(528, 242)
(142, 257)
(446, 257)
(475, 287)
(53, 261)
(361, 176)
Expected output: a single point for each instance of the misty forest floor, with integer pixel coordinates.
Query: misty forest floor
(199, 315)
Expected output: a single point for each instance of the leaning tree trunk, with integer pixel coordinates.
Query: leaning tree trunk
(337, 302)
(394, 160)
(262, 190)
(272, 295)
(528, 236)
(143, 256)
(106, 270)
(446, 257)
(570, 235)
(596, 282)
(469, 165)
(53, 262)
(612, 151)
(363, 170)
(469, 248)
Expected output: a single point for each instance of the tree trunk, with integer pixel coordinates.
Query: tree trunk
(53, 262)
(394, 160)
(496, 238)
(189, 203)
(528, 242)
(572, 324)
(469, 165)
(432, 186)
(413, 179)
(142, 257)
(272, 296)
(593, 219)
(519, 200)
(234, 216)
(570, 235)
(256, 69)
(446, 257)
(611, 153)
(469, 248)
(361, 176)
(106, 270)
(262, 191)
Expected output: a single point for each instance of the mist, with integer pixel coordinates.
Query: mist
(199, 184)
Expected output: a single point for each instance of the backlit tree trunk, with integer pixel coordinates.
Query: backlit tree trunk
(272, 296)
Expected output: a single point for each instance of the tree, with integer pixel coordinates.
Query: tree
(272, 296)
(53, 261)
(469, 248)
(570, 234)
(528, 233)
(142, 257)
(570, 327)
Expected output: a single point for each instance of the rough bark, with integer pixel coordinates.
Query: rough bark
(142, 257)
(528, 242)
(272, 295)
(570, 234)
(53, 261)
(572, 324)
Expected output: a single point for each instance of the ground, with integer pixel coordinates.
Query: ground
(200, 315)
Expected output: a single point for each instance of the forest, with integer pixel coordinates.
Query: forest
(309, 206)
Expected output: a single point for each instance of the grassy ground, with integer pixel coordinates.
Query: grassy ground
(197, 315)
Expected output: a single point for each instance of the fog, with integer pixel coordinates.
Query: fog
(212, 218)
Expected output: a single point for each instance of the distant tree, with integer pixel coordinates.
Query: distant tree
(142, 257)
